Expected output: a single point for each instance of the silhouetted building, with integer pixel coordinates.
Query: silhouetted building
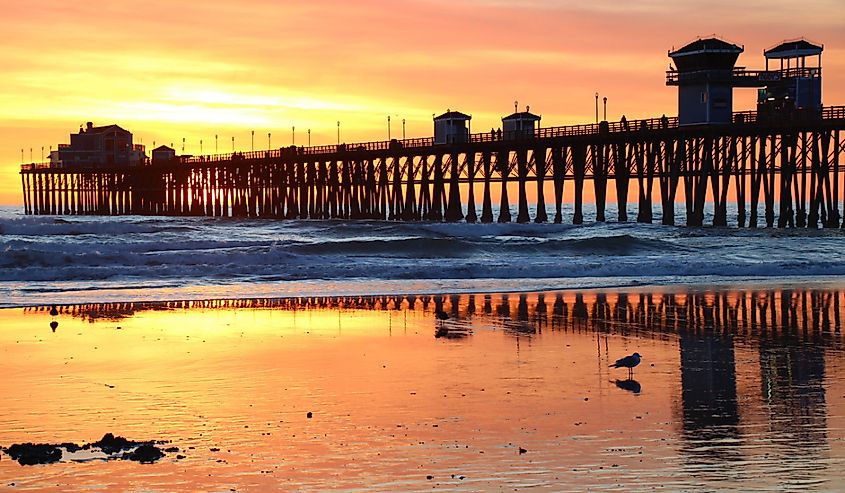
(793, 86)
(520, 125)
(705, 80)
(705, 74)
(163, 154)
(99, 147)
(451, 127)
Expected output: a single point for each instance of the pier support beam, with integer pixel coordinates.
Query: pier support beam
(522, 175)
(439, 190)
(453, 210)
(503, 165)
(540, 173)
(600, 156)
(471, 168)
(579, 165)
(410, 212)
(559, 175)
(621, 166)
(486, 207)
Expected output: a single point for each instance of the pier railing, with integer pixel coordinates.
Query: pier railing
(741, 74)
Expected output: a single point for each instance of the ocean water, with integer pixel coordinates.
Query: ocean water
(77, 259)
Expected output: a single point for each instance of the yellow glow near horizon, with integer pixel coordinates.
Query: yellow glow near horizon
(215, 68)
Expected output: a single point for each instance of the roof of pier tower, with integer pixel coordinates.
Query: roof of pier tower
(453, 115)
(794, 49)
(522, 115)
(706, 53)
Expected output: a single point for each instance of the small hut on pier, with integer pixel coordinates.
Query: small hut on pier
(520, 125)
(451, 127)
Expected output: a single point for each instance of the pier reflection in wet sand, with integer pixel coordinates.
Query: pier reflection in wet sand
(737, 389)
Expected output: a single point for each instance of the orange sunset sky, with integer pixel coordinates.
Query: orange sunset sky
(195, 69)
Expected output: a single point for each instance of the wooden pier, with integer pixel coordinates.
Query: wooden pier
(784, 172)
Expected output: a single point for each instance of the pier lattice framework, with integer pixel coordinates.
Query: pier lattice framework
(792, 169)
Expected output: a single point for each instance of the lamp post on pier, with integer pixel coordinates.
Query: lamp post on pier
(403, 129)
(293, 135)
(233, 144)
(269, 142)
(252, 142)
(30, 155)
(42, 154)
(388, 127)
(200, 147)
(338, 132)
(183, 145)
(309, 137)
(22, 160)
(215, 143)
(597, 107)
(605, 108)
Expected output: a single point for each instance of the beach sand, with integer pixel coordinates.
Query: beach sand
(739, 388)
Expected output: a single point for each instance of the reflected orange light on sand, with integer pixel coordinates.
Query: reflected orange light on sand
(389, 399)
(397, 395)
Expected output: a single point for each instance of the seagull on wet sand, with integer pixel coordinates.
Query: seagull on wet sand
(628, 362)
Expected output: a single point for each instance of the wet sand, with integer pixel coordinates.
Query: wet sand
(739, 389)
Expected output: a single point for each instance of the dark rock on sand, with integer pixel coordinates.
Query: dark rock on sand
(29, 454)
(111, 444)
(70, 447)
(45, 453)
(145, 454)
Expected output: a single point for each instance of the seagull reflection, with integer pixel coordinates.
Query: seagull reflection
(630, 385)
(54, 325)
